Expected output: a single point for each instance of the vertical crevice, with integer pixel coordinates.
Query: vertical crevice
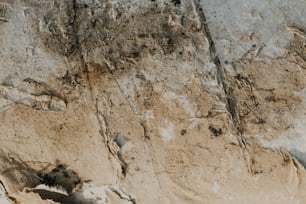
(75, 34)
(212, 48)
(231, 103)
(75, 28)
(73, 14)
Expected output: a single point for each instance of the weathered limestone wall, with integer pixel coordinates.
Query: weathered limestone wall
(138, 101)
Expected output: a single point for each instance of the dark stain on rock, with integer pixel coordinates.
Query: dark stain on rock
(62, 177)
(216, 131)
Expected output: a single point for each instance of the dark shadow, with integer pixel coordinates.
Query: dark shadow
(74, 198)
(300, 156)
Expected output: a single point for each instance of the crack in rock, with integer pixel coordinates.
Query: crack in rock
(221, 78)
(4, 196)
(122, 194)
(75, 34)
(111, 145)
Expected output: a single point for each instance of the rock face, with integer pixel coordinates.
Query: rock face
(152, 101)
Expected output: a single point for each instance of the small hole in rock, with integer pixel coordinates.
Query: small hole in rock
(183, 132)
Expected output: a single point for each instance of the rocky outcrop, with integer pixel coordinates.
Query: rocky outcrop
(152, 101)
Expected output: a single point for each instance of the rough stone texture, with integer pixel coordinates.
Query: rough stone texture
(132, 101)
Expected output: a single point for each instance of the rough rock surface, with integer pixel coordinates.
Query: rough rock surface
(152, 101)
